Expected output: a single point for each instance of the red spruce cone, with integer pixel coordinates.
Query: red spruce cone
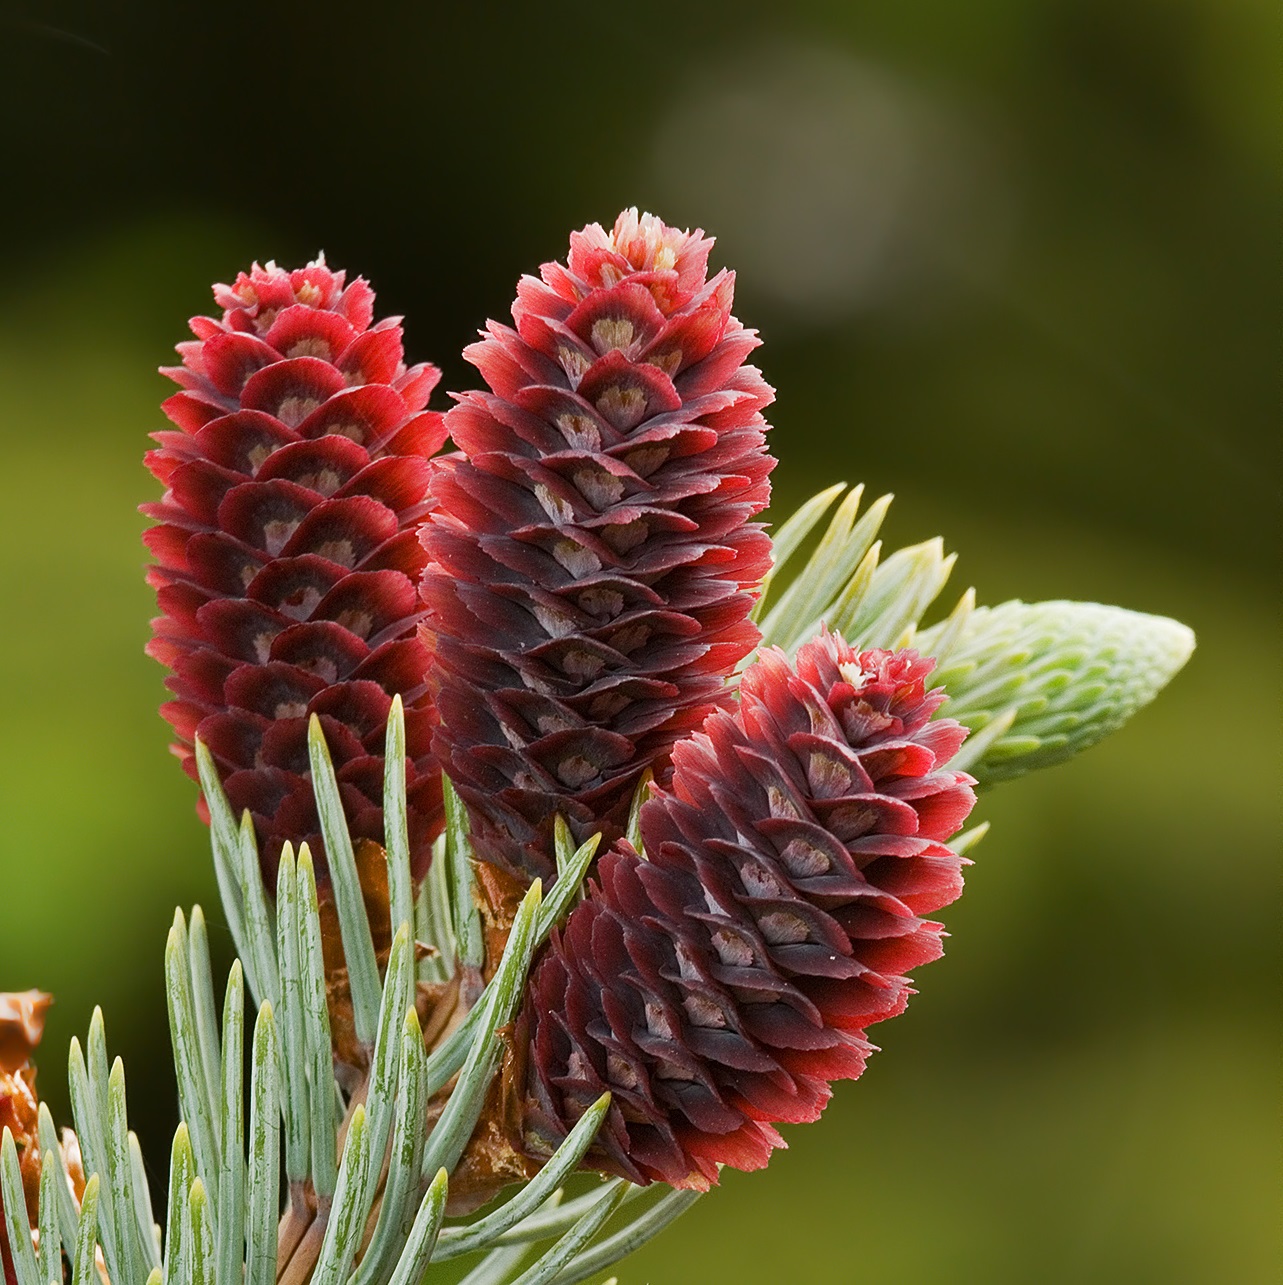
(592, 558)
(719, 985)
(287, 558)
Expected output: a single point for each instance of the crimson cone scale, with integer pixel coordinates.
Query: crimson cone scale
(718, 985)
(592, 550)
(286, 553)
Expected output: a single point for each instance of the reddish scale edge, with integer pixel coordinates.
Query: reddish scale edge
(286, 553)
(592, 562)
(718, 986)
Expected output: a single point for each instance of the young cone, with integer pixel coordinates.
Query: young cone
(718, 985)
(591, 553)
(286, 550)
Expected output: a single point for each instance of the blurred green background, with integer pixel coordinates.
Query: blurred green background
(1013, 260)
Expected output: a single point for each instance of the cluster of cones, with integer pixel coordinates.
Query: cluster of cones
(562, 602)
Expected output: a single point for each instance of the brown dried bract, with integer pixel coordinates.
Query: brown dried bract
(499, 902)
(494, 1157)
(22, 1023)
(351, 1057)
(492, 1160)
(19, 1113)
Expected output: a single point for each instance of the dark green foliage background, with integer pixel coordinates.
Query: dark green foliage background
(1069, 383)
